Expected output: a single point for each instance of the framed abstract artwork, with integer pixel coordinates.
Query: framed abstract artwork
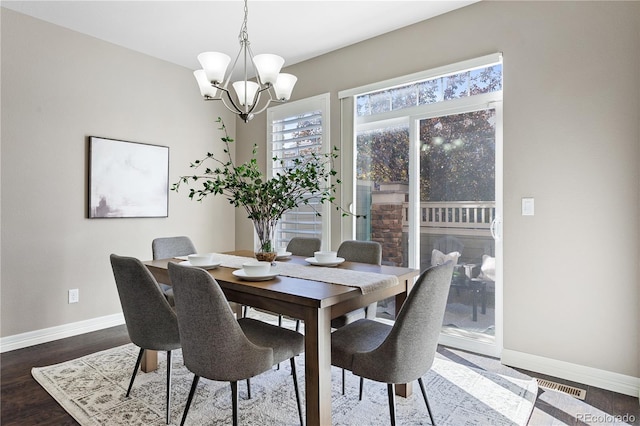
(127, 179)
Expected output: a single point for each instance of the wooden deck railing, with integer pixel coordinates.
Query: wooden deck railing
(468, 215)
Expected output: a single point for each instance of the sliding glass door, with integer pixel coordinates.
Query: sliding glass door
(427, 177)
(454, 189)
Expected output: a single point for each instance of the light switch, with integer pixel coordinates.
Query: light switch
(527, 207)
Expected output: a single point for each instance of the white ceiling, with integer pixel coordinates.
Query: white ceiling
(177, 31)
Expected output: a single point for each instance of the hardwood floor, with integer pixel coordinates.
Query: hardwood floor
(25, 403)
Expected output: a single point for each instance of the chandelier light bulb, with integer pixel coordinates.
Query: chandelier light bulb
(206, 89)
(251, 89)
(214, 65)
(268, 66)
(284, 86)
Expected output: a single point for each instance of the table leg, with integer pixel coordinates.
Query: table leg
(317, 356)
(149, 361)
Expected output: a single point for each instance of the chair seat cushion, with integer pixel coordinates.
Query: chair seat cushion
(167, 290)
(348, 318)
(363, 335)
(285, 343)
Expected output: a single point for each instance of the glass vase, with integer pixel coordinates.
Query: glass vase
(265, 249)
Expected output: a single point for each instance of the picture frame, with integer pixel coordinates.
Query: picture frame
(127, 179)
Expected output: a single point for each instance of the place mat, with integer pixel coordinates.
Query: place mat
(367, 282)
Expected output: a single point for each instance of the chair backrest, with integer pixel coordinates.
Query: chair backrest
(213, 343)
(151, 322)
(361, 251)
(304, 246)
(407, 352)
(168, 247)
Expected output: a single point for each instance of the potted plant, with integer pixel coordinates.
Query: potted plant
(264, 199)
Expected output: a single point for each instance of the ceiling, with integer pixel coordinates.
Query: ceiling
(177, 31)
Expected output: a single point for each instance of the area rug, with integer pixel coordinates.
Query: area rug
(92, 389)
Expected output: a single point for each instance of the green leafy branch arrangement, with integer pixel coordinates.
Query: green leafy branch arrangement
(265, 200)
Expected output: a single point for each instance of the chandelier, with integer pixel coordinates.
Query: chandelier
(250, 97)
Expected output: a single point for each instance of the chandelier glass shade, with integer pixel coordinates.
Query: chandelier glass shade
(248, 97)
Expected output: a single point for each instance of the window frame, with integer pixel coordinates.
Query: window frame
(293, 108)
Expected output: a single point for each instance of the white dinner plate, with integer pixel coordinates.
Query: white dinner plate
(314, 262)
(212, 266)
(242, 275)
(283, 255)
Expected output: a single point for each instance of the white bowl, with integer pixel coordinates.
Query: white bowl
(325, 256)
(256, 269)
(200, 259)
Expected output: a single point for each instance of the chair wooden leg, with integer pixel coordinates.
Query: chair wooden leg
(343, 381)
(194, 385)
(426, 401)
(361, 388)
(295, 385)
(168, 385)
(392, 403)
(297, 325)
(248, 388)
(135, 370)
(234, 402)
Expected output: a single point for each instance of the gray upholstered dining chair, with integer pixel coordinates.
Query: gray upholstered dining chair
(170, 247)
(362, 252)
(216, 345)
(405, 351)
(304, 246)
(151, 322)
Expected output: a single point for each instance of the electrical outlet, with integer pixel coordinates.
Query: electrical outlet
(74, 295)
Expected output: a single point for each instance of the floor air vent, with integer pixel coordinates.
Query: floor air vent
(569, 390)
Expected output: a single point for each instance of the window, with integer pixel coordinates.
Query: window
(294, 130)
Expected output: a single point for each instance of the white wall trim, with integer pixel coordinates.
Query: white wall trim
(616, 382)
(50, 334)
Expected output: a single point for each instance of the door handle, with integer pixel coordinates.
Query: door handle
(496, 228)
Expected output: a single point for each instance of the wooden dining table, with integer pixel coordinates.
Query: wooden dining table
(315, 303)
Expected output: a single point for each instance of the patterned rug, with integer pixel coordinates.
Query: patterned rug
(92, 388)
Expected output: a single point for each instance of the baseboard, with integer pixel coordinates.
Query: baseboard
(616, 382)
(50, 334)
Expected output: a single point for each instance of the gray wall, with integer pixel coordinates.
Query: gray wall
(58, 88)
(571, 136)
(571, 140)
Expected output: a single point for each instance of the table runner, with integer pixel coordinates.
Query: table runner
(367, 282)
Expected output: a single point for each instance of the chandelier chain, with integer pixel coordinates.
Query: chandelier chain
(243, 37)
